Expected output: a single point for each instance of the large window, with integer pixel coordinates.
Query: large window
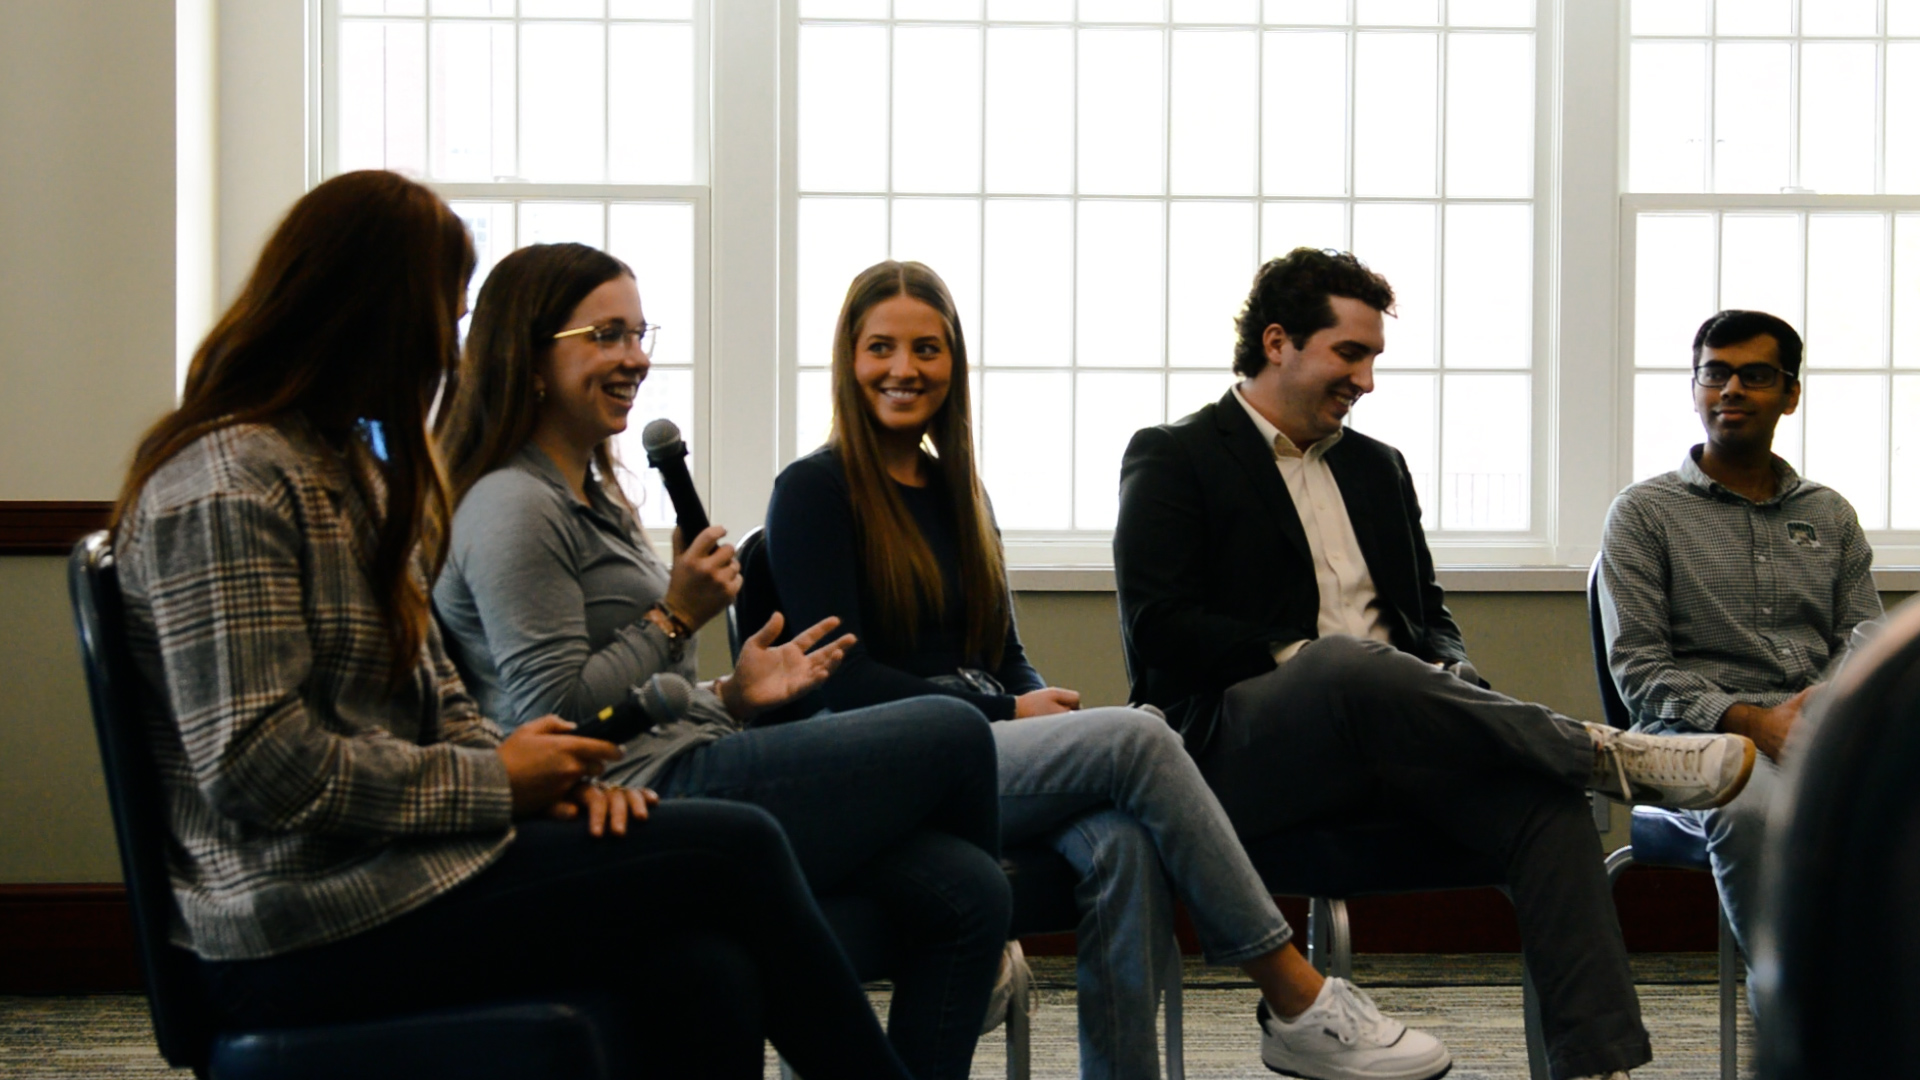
(1774, 163)
(546, 121)
(1098, 180)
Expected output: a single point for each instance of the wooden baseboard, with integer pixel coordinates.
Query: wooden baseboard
(48, 528)
(73, 939)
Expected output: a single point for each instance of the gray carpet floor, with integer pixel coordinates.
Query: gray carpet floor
(1471, 1002)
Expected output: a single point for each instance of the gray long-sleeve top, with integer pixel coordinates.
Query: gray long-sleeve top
(1710, 599)
(544, 600)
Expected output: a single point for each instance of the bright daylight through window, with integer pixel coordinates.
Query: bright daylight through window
(1097, 181)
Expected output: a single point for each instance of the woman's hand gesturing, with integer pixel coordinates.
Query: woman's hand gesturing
(705, 577)
(766, 676)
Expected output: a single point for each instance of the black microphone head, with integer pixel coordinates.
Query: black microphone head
(667, 697)
(662, 440)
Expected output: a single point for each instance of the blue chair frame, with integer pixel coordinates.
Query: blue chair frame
(572, 1039)
(1665, 838)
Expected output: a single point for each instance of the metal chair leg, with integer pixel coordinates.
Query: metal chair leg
(1019, 1027)
(1330, 937)
(1729, 1001)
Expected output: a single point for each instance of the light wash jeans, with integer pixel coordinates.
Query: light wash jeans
(1736, 838)
(1115, 792)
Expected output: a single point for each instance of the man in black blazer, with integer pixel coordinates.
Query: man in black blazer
(1278, 602)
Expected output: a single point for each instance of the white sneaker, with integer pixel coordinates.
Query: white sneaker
(1013, 971)
(1681, 772)
(1343, 1036)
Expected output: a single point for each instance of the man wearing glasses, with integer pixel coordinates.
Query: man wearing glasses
(1730, 584)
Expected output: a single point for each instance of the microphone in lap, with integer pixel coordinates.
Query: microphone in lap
(660, 700)
(667, 452)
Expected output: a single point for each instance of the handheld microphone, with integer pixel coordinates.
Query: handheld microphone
(660, 700)
(668, 453)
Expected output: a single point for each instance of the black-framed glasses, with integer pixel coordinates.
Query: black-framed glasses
(1756, 376)
(610, 336)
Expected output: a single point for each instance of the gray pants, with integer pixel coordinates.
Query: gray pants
(1351, 727)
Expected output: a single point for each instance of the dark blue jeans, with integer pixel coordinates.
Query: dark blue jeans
(698, 920)
(897, 806)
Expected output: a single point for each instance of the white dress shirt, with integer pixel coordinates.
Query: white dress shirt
(1348, 602)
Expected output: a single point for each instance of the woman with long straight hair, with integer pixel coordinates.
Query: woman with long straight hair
(555, 602)
(351, 839)
(888, 528)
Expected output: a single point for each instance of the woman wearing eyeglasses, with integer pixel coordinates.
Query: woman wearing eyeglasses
(556, 603)
(349, 839)
(888, 527)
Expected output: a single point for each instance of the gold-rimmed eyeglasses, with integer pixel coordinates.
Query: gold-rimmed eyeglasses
(610, 336)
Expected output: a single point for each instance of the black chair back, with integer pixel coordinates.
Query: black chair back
(1838, 957)
(758, 599)
(181, 1021)
(1611, 704)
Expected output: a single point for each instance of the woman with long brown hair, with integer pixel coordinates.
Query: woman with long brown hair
(351, 839)
(554, 601)
(888, 527)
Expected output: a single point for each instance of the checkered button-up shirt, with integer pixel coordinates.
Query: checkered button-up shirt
(307, 799)
(1710, 599)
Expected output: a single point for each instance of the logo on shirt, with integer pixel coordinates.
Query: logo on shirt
(1803, 534)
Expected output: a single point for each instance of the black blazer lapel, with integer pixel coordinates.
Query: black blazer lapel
(1244, 444)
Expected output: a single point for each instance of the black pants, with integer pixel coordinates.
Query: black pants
(699, 917)
(1351, 727)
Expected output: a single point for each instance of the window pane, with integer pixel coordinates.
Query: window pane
(1402, 411)
(563, 102)
(838, 239)
(1121, 249)
(936, 9)
(1673, 287)
(1855, 18)
(1216, 11)
(1397, 240)
(383, 97)
(936, 109)
(1394, 86)
(651, 132)
(1121, 134)
(1906, 452)
(1667, 117)
(1669, 16)
(1906, 291)
(1490, 13)
(1216, 97)
(1029, 283)
(1188, 390)
(656, 239)
(1740, 17)
(382, 7)
(1036, 10)
(1108, 408)
(1026, 456)
(1308, 12)
(1903, 118)
(1903, 17)
(1489, 286)
(472, 72)
(1486, 437)
(1837, 90)
(843, 108)
(1846, 290)
(1760, 265)
(491, 226)
(812, 411)
(1209, 269)
(1398, 12)
(647, 9)
(843, 9)
(1489, 115)
(1751, 109)
(1664, 423)
(563, 223)
(944, 234)
(1288, 225)
(1123, 10)
(1847, 441)
(1304, 114)
(563, 9)
(1030, 110)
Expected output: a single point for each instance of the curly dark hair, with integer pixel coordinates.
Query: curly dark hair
(1733, 326)
(1292, 291)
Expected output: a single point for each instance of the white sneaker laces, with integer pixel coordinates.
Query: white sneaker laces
(1659, 760)
(1356, 1014)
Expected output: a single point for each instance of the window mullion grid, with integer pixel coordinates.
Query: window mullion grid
(606, 110)
(1166, 219)
(1442, 40)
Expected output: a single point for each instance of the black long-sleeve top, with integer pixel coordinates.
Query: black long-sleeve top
(815, 556)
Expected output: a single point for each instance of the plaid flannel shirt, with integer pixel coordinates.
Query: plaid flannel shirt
(308, 801)
(1710, 599)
